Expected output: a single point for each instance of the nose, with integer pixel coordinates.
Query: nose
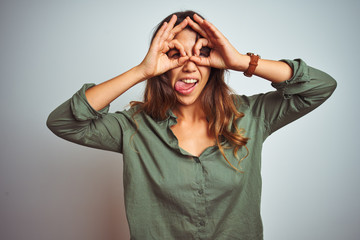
(189, 66)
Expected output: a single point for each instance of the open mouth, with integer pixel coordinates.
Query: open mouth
(185, 86)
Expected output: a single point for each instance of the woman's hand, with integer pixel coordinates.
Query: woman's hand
(156, 60)
(223, 55)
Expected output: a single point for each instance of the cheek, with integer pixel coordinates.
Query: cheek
(205, 72)
(170, 76)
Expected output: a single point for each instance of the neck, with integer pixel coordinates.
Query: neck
(193, 112)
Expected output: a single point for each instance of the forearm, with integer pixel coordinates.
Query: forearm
(307, 89)
(76, 121)
(155, 63)
(274, 71)
(103, 94)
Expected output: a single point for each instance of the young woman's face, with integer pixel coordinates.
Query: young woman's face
(189, 80)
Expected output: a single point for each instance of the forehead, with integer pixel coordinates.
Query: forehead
(187, 37)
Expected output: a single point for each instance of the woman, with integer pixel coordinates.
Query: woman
(192, 149)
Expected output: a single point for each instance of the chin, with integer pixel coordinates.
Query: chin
(187, 100)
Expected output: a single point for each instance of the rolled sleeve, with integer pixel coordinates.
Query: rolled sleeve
(80, 107)
(307, 89)
(295, 84)
(76, 121)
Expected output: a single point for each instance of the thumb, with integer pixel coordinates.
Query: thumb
(202, 61)
(179, 62)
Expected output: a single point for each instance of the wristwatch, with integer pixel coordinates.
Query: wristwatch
(254, 58)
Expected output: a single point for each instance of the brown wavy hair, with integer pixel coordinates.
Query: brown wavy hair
(217, 102)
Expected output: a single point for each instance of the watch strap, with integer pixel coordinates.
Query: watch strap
(254, 58)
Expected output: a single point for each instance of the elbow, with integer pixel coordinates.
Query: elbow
(326, 84)
(59, 118)
(51, 123)
(331, 85)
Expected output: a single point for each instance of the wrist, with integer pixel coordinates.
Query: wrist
(141, 73)
(243, 63)
(254, 58)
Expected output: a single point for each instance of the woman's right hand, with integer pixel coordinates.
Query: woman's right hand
(156, 61)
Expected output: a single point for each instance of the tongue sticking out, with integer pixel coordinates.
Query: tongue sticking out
(183, 87)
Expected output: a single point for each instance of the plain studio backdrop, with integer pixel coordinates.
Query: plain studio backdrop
(51, 189)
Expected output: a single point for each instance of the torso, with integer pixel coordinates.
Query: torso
(193, 138)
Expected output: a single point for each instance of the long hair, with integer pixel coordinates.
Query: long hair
(216, 99)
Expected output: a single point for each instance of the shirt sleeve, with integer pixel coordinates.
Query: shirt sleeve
(76, 121)
(307, 89)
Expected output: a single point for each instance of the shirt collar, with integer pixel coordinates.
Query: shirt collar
(170, 116)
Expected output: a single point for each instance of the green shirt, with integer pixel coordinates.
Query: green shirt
(170, 194)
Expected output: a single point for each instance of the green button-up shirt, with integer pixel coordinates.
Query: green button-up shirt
(171, 194)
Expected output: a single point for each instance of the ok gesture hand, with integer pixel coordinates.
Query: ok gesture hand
(156, 61)
(223, 55)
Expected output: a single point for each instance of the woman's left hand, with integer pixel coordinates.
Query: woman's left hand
(223, 55)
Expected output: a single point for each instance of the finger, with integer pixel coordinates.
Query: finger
(178, 62)
(177, 29)
(182, 60)
(160, 32)
(196, 27)
(212, 29)
(165, 47)
(202, 24)
(176, 44)
(200, 61)
(198, 19)
(200, 43)
(208, 27)
(172, 21)
(169, 27)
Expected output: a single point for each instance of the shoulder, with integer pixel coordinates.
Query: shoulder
(129, 113)
(135, 116)
(244, 102)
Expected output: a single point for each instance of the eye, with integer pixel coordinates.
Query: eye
(173, 53)
(205, 52)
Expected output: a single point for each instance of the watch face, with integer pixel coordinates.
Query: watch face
(253, 54)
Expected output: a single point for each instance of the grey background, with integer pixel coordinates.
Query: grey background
(53, 189)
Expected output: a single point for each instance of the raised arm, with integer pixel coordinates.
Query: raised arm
(84, 118)
(223, 54)
(307, 89)
(155, 63)
(300, 88)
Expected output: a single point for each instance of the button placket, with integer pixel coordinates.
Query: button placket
(200, 196)
(197, 160)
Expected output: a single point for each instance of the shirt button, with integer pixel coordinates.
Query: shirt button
(201, 191)
(202, 223)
